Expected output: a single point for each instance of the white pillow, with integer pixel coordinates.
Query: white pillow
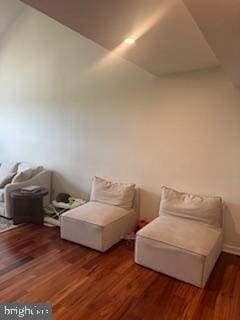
(25, 165)
(116, 194)
(23, 175)
(36, 170)
(205, 209)
(7, 171)
(7, 179)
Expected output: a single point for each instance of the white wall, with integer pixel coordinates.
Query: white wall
(60, 107)
(9, 11)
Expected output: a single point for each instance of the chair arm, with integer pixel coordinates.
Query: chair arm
(42, 179)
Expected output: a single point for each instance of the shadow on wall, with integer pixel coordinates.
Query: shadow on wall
(149, 204)
(62, 184)
(230, 224)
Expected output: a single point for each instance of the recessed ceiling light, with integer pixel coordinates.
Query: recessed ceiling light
(129, 40)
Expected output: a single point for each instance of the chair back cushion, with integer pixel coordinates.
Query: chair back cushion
(25, 166)
(204, 209)
(116, 194)
(23, 175)
(7, 172)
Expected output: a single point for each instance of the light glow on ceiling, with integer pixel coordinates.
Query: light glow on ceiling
(140, 28)
(129, 40)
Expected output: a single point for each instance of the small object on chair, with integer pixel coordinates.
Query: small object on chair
(63, 197)
(71, 200)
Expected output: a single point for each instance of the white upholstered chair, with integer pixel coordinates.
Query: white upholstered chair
(185, 241)
(101, 222)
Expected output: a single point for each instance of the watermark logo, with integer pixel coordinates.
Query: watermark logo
(29, 311)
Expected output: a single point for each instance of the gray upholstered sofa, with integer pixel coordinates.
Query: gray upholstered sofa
(17, 175)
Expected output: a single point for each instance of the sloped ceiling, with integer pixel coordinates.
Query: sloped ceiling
(219, 21)
(168, 39)
(9, 11)
(172, 35)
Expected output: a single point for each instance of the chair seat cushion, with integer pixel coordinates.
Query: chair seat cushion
(185, 234)
(184, 249)
(96, 213)
(97, 225)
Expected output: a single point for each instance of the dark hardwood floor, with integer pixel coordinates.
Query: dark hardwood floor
(37, 266)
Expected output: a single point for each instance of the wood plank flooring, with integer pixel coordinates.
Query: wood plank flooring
(80, 283)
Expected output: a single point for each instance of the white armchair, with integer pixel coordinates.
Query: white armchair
(185, 241)
(39, 176)
(101, 222)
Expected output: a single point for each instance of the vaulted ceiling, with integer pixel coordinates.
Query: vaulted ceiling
(219, 21)
(168, 39)
(171, 35)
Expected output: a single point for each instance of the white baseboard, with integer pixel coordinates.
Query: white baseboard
(231, 249)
